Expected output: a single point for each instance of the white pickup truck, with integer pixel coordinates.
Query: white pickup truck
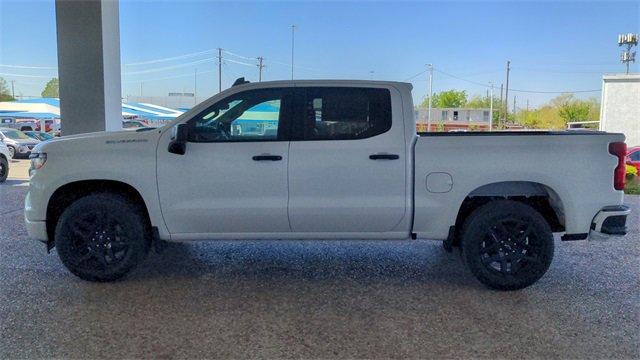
(323, 160)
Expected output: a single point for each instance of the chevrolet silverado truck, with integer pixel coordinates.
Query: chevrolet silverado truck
(323, 160)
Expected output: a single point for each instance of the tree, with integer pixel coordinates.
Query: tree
(558, 111)
(5, 94)
(51, 89)
(447, 99)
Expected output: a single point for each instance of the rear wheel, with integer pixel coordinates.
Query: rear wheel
(101, 237)
(507, 245)
(4, 169)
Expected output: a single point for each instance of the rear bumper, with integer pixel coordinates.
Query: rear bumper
(611, 220)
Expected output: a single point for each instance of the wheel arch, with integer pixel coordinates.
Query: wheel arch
(539, 196)
(66, 194)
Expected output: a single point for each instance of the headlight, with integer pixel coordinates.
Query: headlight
(37, 160)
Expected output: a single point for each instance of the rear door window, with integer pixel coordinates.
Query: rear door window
(342, 113)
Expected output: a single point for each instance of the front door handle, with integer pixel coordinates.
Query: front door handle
(267, 158)
(384, 157)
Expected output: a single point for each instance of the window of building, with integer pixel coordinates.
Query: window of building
(485, 116)
(455, 115)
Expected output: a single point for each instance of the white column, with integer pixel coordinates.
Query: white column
(89, 65)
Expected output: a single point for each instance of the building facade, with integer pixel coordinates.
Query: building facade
(620, 109)
(453, 119)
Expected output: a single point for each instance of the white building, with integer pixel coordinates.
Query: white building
(620, 109)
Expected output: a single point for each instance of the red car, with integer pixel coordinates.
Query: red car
(633, 157)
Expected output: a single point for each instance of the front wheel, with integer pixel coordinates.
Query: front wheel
(507, 245)
(12, 151)
(4, 169)
(101, 237)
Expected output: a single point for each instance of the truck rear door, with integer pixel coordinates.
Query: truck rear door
(347, 160)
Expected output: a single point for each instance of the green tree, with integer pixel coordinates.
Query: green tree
(447, 99)
(5, 94)
(51, 89)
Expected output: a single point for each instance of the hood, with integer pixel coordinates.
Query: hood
(98, 141)
(21, 141)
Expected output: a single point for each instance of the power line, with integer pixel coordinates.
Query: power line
(170, 58)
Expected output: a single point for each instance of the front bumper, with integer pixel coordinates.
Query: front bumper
(37, 230)
(611, 220)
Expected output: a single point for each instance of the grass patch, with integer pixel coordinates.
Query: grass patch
(632, 187)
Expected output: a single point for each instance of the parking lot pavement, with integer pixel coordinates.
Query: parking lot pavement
(369, 299)
(18, 171)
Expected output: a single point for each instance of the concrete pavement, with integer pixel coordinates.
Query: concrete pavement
(324, 299)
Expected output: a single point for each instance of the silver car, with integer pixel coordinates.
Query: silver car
(19, 144)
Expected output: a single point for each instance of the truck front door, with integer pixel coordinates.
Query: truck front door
(232, 178)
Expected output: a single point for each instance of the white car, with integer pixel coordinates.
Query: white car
(5, 158)
(323, 160)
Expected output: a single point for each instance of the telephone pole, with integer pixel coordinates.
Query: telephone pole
(430, 96)
(514, 106)
(13, 91)
(219, 70)
(506, 93)
(491, 108)
(501, 104)
(260, 67)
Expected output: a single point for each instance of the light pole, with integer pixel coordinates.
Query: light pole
(293, 30)
(430, 96)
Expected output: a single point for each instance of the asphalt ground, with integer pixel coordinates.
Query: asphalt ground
(320, 299)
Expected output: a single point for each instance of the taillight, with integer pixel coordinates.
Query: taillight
(619, 149)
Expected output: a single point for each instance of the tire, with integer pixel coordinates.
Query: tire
(12, 151)
(507, 245)
(102, 237)
(4, 169)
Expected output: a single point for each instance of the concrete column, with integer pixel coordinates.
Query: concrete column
(89, 65)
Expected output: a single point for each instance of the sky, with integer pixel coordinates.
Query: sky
(553, 46)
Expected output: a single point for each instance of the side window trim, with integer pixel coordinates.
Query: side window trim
(300, 97)
(284, 123)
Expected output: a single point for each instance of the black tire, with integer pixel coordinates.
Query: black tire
(102, 237)
(507, 245)
(4, 169)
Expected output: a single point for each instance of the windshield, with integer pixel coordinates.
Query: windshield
(15, 135)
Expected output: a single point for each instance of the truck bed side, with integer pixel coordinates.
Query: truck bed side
(575, 170)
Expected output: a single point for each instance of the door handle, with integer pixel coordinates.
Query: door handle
(384, 157)
(267, 158)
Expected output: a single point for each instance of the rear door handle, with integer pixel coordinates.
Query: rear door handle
(384, 157)
(267, 158)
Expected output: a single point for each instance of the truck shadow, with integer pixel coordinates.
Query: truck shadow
(284, 260)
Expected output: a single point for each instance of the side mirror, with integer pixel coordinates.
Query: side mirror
(178, 144)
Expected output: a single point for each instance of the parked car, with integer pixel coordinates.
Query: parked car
(5, 158)
(633, 157)
(22, 125)
(345, 162)
(19, 144)
(133, 124)
(42, 136)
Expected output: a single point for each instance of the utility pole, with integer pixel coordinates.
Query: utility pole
(219, 70)
(260, 67)
(140, 88)
(13, 90)
(514, 106)
(629, 41)
(430, 96)
(293, 30)
(506, 93)
(501, 103)
(526, 115)
(491, 108)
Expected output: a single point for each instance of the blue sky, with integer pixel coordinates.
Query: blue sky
(553, 46)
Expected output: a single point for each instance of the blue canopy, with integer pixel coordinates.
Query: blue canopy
(29, 115)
